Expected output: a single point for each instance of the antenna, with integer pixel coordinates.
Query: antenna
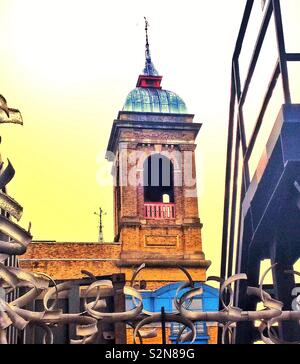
(100, 215)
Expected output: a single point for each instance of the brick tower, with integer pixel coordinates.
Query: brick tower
(152, 147)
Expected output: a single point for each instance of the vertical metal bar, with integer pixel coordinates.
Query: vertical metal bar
(119, 306)
(237, 254)
(29, 337)
(73, 307)
(241, 125)
(268, 95)
(257, 48)
(163, 326)
(234, 203)
(243, 27)
(9, 299)
(15, 295)
(281, 254)
(228, 179)
(282, 51)
(16, 334)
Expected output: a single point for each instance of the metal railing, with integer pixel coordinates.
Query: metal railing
(232, 209)
(159, 210)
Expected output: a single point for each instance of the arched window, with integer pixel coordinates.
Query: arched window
(158, 179)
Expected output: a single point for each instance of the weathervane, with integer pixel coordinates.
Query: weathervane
(147, 39)
(100, 215)
(149, 68)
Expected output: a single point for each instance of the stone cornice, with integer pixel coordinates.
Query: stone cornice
(151, 125)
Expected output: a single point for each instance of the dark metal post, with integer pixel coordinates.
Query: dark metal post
(163, 326)
(119, 306)
(233, 207)
(29, 332)
(281, 254)
(73, 307)
(227, 183)
(282, 51)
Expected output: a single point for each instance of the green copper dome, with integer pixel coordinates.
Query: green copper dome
(154, 100)
(148, 96)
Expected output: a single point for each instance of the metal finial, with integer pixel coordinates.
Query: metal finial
(149, 68)
(147, 39)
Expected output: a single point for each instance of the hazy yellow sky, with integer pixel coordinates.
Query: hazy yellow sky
(68, 65)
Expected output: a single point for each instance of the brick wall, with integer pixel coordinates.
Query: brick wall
(39, 250)
(66, 260)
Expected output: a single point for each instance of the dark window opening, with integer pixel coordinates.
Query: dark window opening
(158, 179)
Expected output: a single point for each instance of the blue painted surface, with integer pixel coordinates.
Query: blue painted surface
(164, 297)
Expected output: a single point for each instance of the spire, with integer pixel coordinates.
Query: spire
(149, 69)
(150, 77)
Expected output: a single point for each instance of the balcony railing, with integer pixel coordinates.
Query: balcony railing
(160, 210)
